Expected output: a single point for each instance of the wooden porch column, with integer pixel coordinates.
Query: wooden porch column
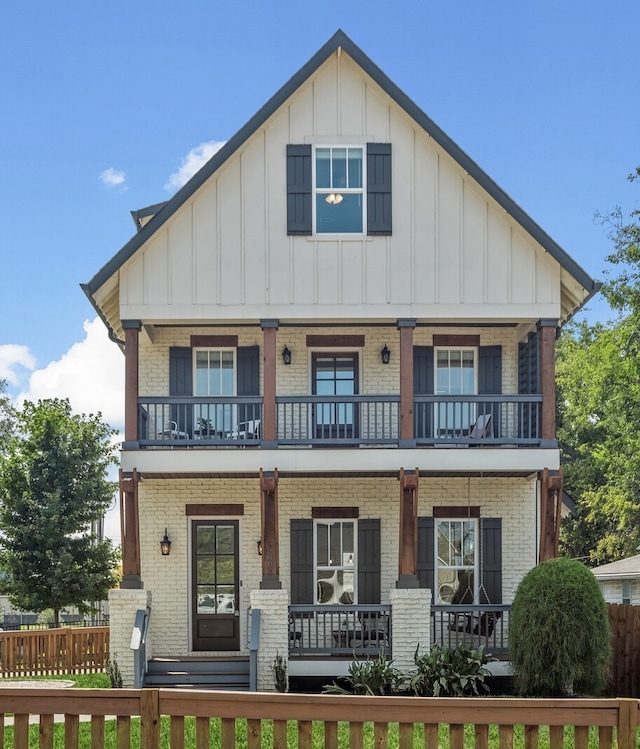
(547, 330)
(269, 530)
(408, 550)
(406, 382)
(131, 355)
(551, 487)
(269, 330)
(130, 530)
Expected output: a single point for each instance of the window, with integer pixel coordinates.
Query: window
(456, 561)
(455, 374)
(335, 374)
(335, 561)
(339, 190)
(626, 591)
(215, 375)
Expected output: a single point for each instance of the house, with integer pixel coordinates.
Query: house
(620, 580)
(339, 344)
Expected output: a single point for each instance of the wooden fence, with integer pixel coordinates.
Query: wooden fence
(281, 720)
(64, 650)
(625, 645)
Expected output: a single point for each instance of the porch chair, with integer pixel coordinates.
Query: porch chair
(170, 431)
(246, 430)
(483, 427)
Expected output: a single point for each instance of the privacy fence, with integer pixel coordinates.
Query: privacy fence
(186, 718)
(625, 645)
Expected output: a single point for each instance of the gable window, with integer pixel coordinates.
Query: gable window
(214, 375)
(339, 192)
(335, 569)
(455, 374)
(456, 561)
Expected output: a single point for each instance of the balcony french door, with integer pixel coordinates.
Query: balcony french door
(335, 375)
(455, 375)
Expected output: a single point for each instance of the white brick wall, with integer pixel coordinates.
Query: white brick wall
(274, 633)
(162, 503)
(123, 605)
(410, 625)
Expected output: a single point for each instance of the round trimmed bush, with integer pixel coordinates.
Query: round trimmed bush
(559, 635)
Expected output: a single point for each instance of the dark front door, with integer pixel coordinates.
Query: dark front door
(336, 375)
(215, 595)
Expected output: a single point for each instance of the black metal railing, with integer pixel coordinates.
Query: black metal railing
(474, 626)
(354, 630)
(340, 421)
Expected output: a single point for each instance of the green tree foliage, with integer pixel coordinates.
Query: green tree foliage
(53, 487)
(598, 379)
(7, 417)
(559, 635)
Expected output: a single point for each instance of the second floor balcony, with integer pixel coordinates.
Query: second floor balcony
(339, 421)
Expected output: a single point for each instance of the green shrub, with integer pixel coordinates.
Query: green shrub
(279, 669)
(114, 674)
(373, 676)
(444, 672)
(559, 636)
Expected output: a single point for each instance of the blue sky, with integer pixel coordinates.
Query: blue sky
(109, 107)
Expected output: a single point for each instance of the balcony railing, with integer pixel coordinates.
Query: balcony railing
(472, 626)
(339, 420)
(339, 630)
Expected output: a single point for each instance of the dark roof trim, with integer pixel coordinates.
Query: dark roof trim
(340, 39)
(141, 213)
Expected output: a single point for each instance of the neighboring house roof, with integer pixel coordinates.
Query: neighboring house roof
(148, 226)
(623, 568)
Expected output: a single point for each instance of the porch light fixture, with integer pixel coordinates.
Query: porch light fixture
(334, 198)
(385, 354)
(286, 355)
(165, 545)
(259, 545)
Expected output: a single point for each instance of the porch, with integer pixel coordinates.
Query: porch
(339, 421)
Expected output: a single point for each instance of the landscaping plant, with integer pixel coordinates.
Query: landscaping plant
(559, 635)
(373, 676)
(450, 672)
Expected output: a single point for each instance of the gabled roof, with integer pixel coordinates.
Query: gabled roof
(340, 40)
(629, 567)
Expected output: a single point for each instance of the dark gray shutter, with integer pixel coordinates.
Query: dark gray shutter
(491, 563)
(378, 188)
(529, 384)
(490, 382)
(181, 383)
(369, 560)
(248, 381)
(302, 561)
(425, 562)
(299, 189)
(423, 385)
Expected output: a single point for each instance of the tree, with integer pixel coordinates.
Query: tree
(598, 379)
(559, 634)
(53, 486)
(7, 417)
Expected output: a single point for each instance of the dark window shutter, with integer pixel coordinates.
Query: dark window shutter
(302, 561)
(490, 382)
(248, 381)
(369, 560)
(529, 383)
(425, 563)
(299, 189)
(491, 550)
(181, 383)
(378, 188)
(423, 385)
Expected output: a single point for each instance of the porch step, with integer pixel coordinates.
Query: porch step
(230, 672)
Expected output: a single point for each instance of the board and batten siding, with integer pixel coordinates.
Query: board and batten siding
(227, 252)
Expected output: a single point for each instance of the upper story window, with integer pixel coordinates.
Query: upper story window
(214, 375)
(339, 190)
(455, 374)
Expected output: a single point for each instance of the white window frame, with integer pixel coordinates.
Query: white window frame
(626, 591)
(198, 409)
(456, 569)
(315, 191)
(353, 567)
(453, 421)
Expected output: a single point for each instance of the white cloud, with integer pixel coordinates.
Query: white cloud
(90, 374)
(193, 161)
(113, 178)
(12, 358)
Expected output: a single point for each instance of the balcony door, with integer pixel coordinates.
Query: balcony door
(455, 374)
(215, 374)
(215, 593)
(335, 375)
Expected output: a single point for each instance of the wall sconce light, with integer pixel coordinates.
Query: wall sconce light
(286, 355)
(385, 354)
(165, 545)
(259, 545)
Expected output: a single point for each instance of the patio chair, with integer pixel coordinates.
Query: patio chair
(483, 427)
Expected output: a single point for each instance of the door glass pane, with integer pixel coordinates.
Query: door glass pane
(206, 571)
(225, 537)
(206, 539)
(224, 570)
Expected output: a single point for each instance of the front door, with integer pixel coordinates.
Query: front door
(215, 593)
